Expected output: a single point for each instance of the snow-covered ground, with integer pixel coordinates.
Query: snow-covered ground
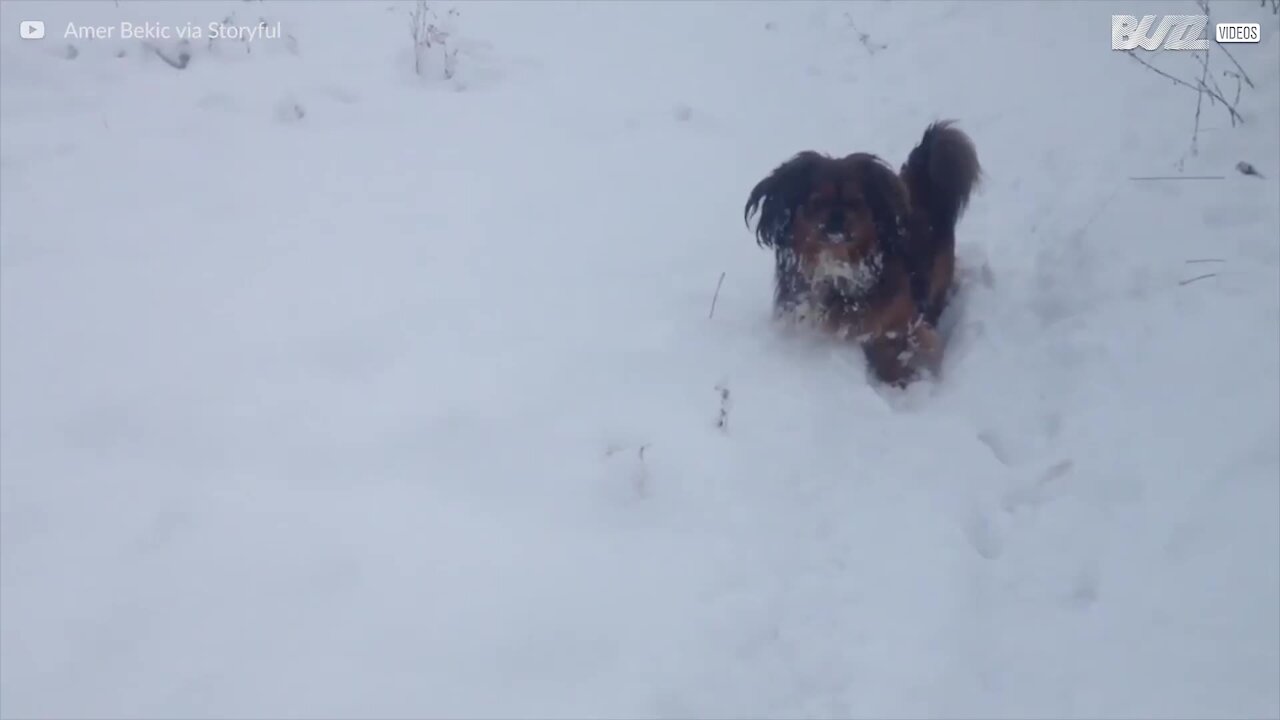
(327, 390)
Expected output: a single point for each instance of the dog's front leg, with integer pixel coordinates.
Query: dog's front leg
(888, 356)
(925, 346)
(897, 357)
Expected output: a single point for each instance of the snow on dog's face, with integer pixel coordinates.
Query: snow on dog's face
(839, 219)
(831, 268)
(836, 240)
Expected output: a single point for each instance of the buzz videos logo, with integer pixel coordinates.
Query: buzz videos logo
(1176, 32)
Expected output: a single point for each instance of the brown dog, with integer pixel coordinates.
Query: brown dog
(868, 253)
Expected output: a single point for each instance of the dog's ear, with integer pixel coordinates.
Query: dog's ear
(779, 196)
(886, 198)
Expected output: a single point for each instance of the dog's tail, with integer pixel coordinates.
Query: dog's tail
(941, 173)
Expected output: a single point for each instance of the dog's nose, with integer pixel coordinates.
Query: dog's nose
(835, 221)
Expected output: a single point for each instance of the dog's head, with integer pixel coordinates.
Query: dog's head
(839, 217)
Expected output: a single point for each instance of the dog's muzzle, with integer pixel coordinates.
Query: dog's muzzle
(853, 278)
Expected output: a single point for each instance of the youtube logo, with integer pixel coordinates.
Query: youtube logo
(31, 29)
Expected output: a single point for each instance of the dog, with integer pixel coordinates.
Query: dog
(867, 253)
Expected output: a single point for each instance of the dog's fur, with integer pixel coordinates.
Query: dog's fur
(868, 253)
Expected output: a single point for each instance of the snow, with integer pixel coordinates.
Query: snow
(330, 390)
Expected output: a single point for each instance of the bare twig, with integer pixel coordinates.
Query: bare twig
(640, 473)
(1235, 116)
(1203, 57)
(1195, 130)
(1242, 73)
(641, 478)
(1228, 73)
(1205, 260)
(1198, 277)
(1216, 89)
(450, 63)
(418, 24)
(715, 297)
(722, 421)
(428, 34)
(864, 38)
(451, 56)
